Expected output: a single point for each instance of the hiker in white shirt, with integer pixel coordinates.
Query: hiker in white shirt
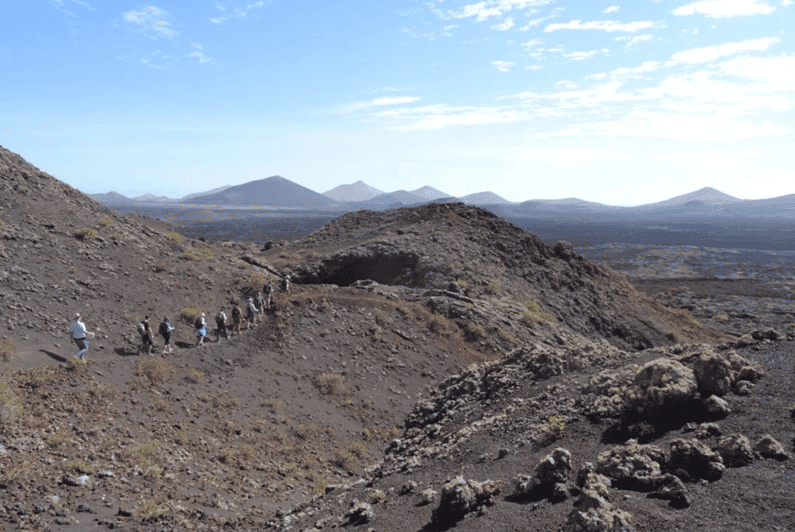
(79, 333)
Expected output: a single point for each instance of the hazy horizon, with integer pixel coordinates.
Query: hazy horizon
(616, 103)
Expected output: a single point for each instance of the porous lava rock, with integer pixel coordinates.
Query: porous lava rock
(659, 385)
(593, 512)
(548, 479)
(632, 466)
(460, 496)
(715, 407)
(735, 449)
(692, 460)
(713, 374)
(768, 447)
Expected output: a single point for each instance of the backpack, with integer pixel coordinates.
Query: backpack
(163, 329)
(141, 329)
(219, 320)
(198, 324)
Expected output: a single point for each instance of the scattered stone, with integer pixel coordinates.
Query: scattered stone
(592, 510)
(71, 480)
(713, 374)
(692, 460)
(708, 430)
(671, 488)
(632, 466)
(460, 496)
(360, 513)
(743, 387)
(408, 487)
(735, 449)
(658, 385)
(548, 479)
(428, 496)
(715, 407)
(768, 447)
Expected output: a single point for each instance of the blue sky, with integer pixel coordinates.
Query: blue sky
(622, 103)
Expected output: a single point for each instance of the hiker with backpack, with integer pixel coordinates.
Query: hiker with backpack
(251, 313)
(260, 305)
(79, 332)
(165, 332)
(220, 324)
(237, 318)
(268, 289)
(201, 330)
(286, 284)
(147, 339)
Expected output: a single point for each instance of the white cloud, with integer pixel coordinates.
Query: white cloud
(611, 9)
(504, 25)
(198, 53)
(609, 26)
(153, 20)
(533, 67)
(786, 3)
(712, 53)
(503, 66)
(573, 155)
(638, 38)
(378, 102)
(725, 8)
(487, 9)
(235, 12)
(579, 56)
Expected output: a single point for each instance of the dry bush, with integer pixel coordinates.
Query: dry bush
(349, 458)
(304, 431)
(440, 325)
(206, 253)
(274, 405)
(6, 349)
(156, 368)
(79, 367)
(538, 314)
(160, 266)
(86, 233)
(194, 375)
(507, 336)
(176, 237)
(189, 255)
(106, 222)
(493, 288)
(148, 511)
(101, 390)
(224, 401)
(331, 384)
(56, 440)
(10, 403)
(474, 332)
(190, 314)
(251, 285)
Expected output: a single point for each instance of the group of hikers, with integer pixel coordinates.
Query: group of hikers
(254, 310)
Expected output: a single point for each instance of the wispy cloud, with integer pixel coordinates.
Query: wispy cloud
(505, 25)
(532, 23)
(579, 56)
(609, 26)
(152, 20)
(198, 53)
(236, 12)
(725, 8)
(485, 9)
(611, 9)
(503, 66)
(635, 39)
(786, 3)
(377, 103)
(713, 53)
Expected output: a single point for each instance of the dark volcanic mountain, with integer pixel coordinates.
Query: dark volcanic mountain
(273, 191)
(359, 191)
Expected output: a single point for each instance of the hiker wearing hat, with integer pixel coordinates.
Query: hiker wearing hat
(201, 330)
(237, 317)
(165, 332)
(251, 313)
(147, 339)
(79, 333)
(220, 323)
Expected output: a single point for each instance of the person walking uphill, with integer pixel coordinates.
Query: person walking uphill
(79, 333)
(220, 323)
(237, 318)
(165, 332)
(147, 338)
(201, 330)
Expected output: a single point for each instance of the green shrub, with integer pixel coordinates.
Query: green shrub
(176, 237)
(474, 332)
(6, 349)
(86, 233)
(157, 369)
(106, 222)
(194, 375)
(189, 255)
(331, 384)
(147, 510)
(538, 314)
(439, 324)
(274, 405)
(206, 253)
(507, 336)
(493, 288)
(554, 428)
(189, 315)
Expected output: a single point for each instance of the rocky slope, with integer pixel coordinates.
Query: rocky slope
(276, 427)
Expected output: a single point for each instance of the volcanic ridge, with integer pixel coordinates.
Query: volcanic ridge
(432, 368)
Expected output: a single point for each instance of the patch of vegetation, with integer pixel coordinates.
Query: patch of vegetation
(194, 375)
(176, 237)
(349, 458)
(274, 405)
(224, 401)
(474, 332)
(493, 288)
(440, 324)
(13, 468)
(147, 510)
(304, 431)
(6, 349)
(117, 236)
(207, 253)
(554, 428)
(147, 457)
(538, 314)
(331, 384)
(161, 404)
(106, 222)
(189, 255)
(100, 390)
(56, 440)
(86, 233)
(157, 369)
(251, 285)
(79, 367)
(10, 403)
(34, 378)
(73, 270)
(161, 266)
(2, 223)
(722, 317)
(181, 438)
(376, 496)
(81, 468)
(508, 336)
(189, 315)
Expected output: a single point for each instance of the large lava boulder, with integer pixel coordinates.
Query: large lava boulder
(659, 385)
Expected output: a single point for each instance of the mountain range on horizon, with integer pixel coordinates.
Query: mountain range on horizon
(279, 192)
